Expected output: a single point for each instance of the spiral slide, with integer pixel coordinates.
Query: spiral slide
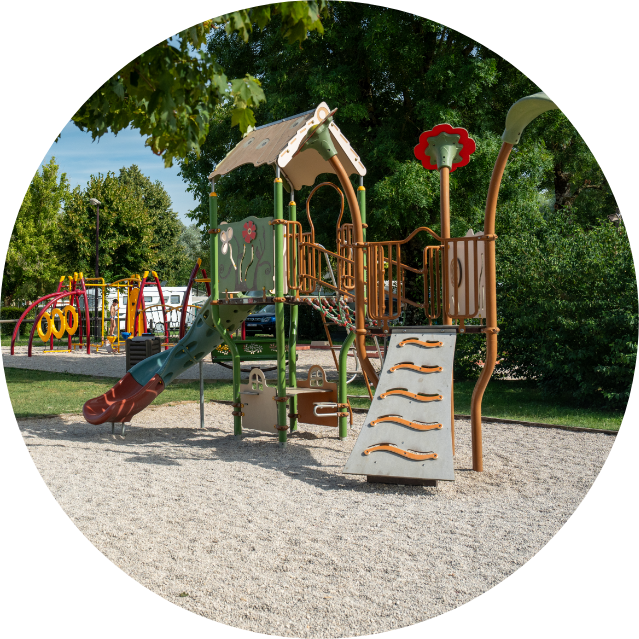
(146, 380)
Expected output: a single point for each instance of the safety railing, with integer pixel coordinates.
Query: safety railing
(432, 282)
(304, 263)
(464, 277)
(386, 279)
(346, 265)
(452, 272)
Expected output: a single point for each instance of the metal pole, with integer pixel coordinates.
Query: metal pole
(97, 268)
(215, 312)
(292, 334)
(491, 307)
(361, 200)
(342, 391)
(201, 396)
(444, 217)
(359, 249)
(278, 214)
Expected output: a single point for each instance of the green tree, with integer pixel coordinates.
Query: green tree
(139, 231)
(169, 93)
(193, 246)
(33, 266)
(167, 256)
(393, 75)
(568, 310)
(126, 236)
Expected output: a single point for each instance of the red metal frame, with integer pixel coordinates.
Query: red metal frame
(140, 308)
(53, 299)
(166, 326)
(75, 294)
(196, 268)
(159, 287)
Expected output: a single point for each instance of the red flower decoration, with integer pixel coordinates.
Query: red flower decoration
(250, 232)
(468, 146)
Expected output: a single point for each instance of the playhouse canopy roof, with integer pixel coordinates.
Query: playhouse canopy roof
(276, 143)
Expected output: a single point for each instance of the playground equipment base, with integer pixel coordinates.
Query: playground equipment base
(401, 481)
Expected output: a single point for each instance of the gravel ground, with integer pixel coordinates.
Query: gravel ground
(278, 541)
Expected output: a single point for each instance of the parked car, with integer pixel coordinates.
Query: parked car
(261, 322)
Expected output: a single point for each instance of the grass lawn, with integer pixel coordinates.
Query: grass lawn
(36, 393)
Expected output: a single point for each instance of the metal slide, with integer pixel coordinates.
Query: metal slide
(146, 380)
(408, 429)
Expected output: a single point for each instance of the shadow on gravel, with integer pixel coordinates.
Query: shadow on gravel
(175, 446)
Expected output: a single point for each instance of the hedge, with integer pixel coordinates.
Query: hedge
(12, 312)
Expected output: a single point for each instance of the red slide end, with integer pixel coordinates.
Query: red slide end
(125, 399)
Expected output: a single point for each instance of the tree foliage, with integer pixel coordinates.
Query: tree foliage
(568, 307)
(125, 233)
(138, 229)
(167, 255)
(169, 93)
(393, 75)
(33, 264)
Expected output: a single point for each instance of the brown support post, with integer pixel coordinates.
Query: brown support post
(491, 306)
(444, 216)
(360, 292)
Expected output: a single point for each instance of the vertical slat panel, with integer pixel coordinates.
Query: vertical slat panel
(466, 280)
(476, 272)
(381, 296)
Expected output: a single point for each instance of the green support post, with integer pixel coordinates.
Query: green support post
(215, 311)
(292, 332)
(279, 309)
(342, 391)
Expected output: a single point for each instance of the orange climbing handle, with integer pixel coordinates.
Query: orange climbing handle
(404, 393)
(413, 341)
(414, 367)
(409, 454)
(405, 422)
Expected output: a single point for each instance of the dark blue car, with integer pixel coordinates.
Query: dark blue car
(261, 322)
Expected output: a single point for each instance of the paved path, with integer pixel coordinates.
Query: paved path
(103, 364)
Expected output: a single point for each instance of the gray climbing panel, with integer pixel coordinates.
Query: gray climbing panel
(407, 433)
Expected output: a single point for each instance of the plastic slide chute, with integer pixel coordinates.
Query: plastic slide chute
(146, 380)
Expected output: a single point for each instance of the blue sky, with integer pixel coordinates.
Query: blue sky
(79, 157)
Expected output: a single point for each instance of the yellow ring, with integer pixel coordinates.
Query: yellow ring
(74, 314)
(45, 336)
(56, 312)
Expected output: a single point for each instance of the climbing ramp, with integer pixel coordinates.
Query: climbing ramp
(408, 431)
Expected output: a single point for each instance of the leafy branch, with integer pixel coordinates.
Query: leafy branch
(170, 93)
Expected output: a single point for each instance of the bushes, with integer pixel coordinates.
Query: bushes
(13, 312)
(469, 350)
(567, 301)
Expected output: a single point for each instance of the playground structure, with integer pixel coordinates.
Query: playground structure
(408, 436)
(78, 319)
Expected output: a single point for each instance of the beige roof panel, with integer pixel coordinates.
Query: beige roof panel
(278, 142)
